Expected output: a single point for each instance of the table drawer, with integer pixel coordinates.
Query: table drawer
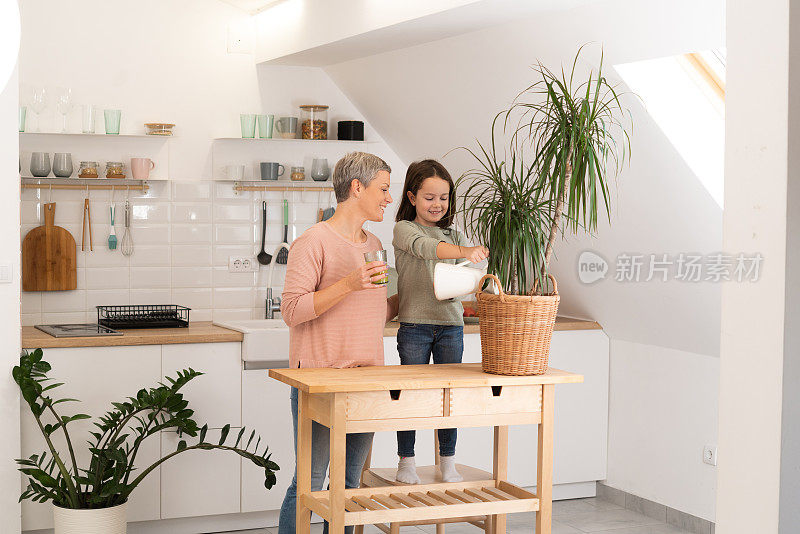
(395, 404)
(490, 400)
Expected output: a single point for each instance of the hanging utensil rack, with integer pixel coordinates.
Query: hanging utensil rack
(283, 188)
(66, 183)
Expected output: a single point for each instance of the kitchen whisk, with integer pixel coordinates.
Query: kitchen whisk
(127, 239)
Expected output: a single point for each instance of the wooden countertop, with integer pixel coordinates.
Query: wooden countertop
(206, 332)
(200, 332)
(562, 323)
(382, 378)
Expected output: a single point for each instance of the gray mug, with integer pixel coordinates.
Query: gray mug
(40, 164)
(287, 127)
(62, 164)
(271, 170)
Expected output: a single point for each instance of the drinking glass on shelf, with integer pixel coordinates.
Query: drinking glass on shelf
(23, 112)
(38, 103)
(320, 171)
(64, 105)
(88, 112)
(248, 123)
(112, 118)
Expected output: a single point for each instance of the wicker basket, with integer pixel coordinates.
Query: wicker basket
(516, 330)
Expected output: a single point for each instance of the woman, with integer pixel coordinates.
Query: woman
(335, 312)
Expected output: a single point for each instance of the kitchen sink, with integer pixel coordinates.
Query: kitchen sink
(264, 340)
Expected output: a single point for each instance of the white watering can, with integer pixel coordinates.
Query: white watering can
(450, 281)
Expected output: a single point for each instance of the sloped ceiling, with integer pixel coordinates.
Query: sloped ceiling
(251, 6)
(335, 31)
(427, 99)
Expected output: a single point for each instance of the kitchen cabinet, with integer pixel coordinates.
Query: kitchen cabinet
(96, 376)
(196, 482)
(215, 396)
(266, 409)
(204, 483)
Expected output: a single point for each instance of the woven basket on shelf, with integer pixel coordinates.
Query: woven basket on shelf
(516, 330)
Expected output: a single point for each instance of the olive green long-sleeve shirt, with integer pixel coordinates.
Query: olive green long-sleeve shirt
(415, 258)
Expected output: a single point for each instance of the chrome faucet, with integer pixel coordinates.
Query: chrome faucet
(273, 304)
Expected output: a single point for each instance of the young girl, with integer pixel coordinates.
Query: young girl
(422, 238)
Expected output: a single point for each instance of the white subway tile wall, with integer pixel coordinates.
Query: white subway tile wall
(183, 235)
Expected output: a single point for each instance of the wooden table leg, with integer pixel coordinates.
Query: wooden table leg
(544, 463)
(338, 463)
(500, 472)
(303, 518)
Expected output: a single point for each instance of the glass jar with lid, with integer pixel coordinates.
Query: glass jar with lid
(314, 121)
(115, 169)
(298, 174)
(88, 169)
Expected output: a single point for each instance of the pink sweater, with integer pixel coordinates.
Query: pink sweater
(350, 334)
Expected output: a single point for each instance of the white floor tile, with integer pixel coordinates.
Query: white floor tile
(648, 529)
(604, 520)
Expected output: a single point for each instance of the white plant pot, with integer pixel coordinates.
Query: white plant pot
(96, 521)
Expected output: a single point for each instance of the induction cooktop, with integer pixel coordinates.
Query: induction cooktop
(77, 330)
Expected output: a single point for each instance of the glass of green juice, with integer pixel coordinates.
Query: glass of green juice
(378, 255)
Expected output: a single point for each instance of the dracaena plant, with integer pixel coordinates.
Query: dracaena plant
(580, 134)
(503, 206)
(110, 477)
(565, 140)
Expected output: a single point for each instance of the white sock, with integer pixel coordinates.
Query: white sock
(447, 465)
(407, 471)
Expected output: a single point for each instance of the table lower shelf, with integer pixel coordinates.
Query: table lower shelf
(394, 504)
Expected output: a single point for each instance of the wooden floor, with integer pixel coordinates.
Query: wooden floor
(577, 516)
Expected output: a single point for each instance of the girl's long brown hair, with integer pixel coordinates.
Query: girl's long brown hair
(418, 172)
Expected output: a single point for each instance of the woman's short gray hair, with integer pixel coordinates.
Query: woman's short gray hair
(356, 165)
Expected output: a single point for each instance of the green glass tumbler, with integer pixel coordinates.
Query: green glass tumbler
(248, 123)
(112, 118)
(23, 113)
(265, 124)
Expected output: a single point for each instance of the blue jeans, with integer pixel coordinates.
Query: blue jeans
(416, 343)
(358, 447)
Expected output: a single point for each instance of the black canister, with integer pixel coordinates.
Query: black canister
(350, 131)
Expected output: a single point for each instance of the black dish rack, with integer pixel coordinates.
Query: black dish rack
(143, 316)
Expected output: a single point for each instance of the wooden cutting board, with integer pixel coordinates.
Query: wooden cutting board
(48, 257)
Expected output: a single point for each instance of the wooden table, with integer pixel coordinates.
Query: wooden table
(374, 399)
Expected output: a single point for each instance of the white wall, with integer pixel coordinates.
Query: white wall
(663, 407)
(756, 323)
(183, 231)
(9, 312)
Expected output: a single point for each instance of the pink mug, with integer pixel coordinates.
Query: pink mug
(141, 167)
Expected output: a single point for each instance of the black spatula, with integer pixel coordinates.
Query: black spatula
(263, 258)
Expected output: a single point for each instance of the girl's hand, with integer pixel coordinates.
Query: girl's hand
(363, 277)
(475, 254)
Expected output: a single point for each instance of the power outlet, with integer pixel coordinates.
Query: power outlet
(710, 454)
(242, 264)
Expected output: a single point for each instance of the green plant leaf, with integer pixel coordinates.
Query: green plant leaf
(224, 433)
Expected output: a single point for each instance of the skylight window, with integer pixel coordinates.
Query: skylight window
(685, 96)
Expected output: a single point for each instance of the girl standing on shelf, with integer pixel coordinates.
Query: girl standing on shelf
(423, 236)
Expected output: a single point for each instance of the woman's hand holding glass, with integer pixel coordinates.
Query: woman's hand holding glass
(368, 276)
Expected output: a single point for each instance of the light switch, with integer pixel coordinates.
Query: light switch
(6, 271)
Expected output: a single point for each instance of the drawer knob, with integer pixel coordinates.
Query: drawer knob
(496, 390)
(394, 394)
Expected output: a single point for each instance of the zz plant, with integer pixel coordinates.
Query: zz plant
(111, 476)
